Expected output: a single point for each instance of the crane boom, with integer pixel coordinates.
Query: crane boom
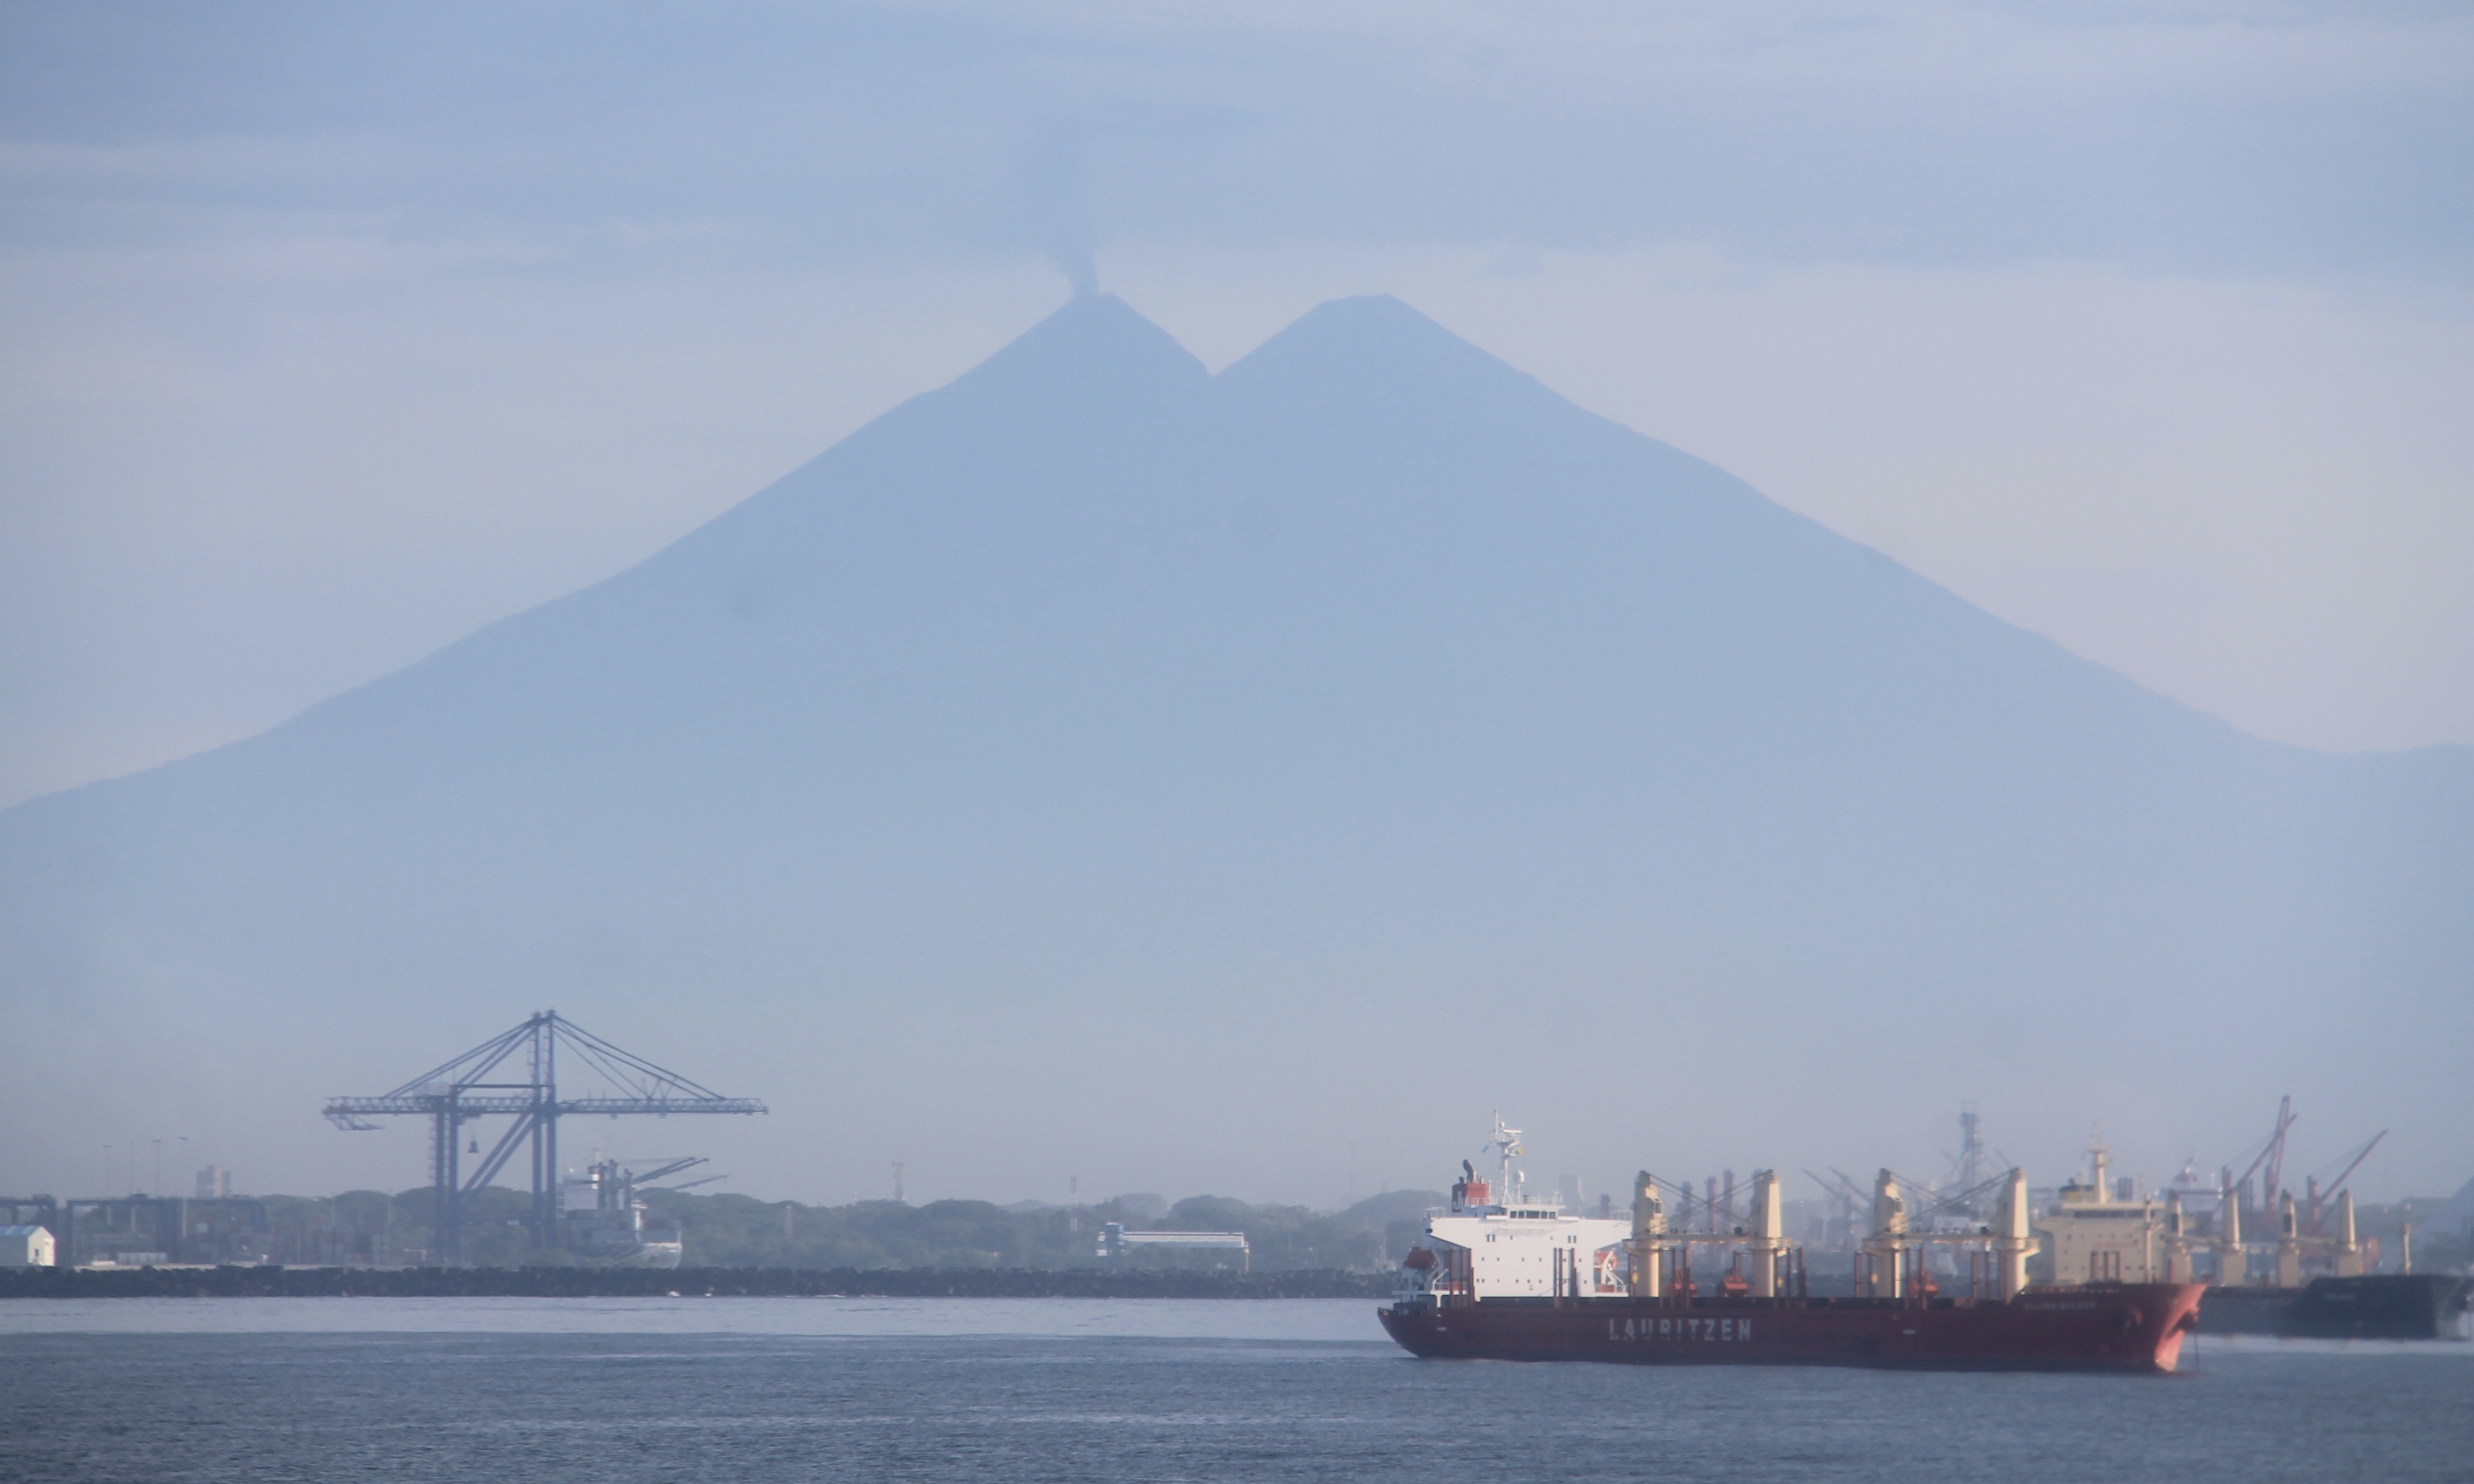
(472, 1085)
(2356, 1163)
(2273, 1156)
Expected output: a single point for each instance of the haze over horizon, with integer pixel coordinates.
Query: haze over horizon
(1103, 768)
(1990, 623)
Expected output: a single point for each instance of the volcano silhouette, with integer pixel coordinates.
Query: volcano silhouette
(1358, 736)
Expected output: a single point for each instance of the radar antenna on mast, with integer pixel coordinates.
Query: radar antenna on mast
(1505, 1143)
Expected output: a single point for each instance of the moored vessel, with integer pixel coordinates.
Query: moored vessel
(606, 1225)
(2361, 1306)
(1502, 1277)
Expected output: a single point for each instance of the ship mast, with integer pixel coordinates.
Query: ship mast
(1505, 1143)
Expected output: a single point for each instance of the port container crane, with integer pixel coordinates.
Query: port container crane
(474, 1085)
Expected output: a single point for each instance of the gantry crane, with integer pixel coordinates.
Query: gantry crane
(471, 1086)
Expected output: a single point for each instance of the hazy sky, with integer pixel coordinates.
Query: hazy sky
(335, 333)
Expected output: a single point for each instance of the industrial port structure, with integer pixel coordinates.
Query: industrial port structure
(474, 1086)
(2275, 1259)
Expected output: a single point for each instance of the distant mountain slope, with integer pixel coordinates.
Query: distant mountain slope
(1352, 740)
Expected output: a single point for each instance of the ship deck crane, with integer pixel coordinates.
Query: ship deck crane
(2272, 1156)
(2321, 1191)
(472, 1086)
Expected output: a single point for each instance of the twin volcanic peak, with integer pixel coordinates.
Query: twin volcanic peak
(1366, 687)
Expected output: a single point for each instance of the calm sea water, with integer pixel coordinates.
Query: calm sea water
(789, 1388)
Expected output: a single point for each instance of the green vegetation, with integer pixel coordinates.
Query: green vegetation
(732, 1230)
(371, 1228)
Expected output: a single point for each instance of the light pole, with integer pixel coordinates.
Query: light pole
(158, 1191)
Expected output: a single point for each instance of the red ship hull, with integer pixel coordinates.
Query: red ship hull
(2128, 1327)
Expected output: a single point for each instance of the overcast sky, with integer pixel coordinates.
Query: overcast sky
(334, 333)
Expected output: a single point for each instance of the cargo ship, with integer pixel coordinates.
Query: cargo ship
(1502, 1277)
(606, 1225)
(2263, 1286)
(2343, 1304)
(2363, 1307)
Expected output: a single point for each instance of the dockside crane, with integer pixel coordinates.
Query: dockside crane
(474, 1085)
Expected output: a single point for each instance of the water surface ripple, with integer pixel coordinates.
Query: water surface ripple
(763, 1389)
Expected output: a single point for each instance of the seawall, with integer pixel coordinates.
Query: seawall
(278, 1282)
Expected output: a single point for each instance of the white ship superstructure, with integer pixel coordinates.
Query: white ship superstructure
(2093, 1233)
(1495, 1242)
(607, 1225)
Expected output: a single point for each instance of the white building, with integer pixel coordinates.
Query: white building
(24, 1247)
